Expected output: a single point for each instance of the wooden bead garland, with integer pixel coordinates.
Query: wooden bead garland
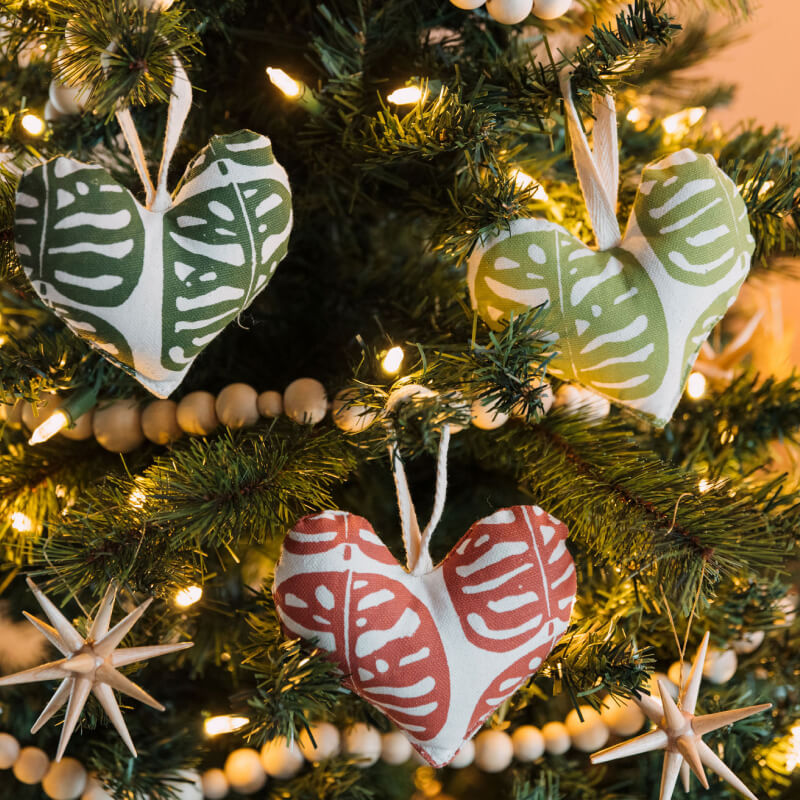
(160, 422)
(123, 425)
(118, 426)
(31, 765)
(196, 413)
(246, 771)
(236, 406)
(305, 401)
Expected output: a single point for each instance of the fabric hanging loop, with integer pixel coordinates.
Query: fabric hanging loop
(598, 170)
(158, 198)
(417, 543)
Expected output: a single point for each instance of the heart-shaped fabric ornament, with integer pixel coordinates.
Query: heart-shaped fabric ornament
(628, 319)
(150, 286)
(436, 649)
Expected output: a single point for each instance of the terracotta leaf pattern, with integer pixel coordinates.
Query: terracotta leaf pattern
(437, 652)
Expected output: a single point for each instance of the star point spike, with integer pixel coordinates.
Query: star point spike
(89, 665)
(679, 733)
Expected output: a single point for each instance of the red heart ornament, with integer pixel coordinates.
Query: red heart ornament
(436, 652)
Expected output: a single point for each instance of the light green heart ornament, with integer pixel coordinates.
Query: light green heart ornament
(629, 318)
(150, 286)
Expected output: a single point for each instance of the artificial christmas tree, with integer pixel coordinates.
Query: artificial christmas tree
(413, 133)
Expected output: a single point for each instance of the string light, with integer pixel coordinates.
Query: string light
(188, 596)
(638, 118)
(136, 498)
(392, 361)
(680, 122)
(55, 423)
(286, 83)
(704, 485)
(793, 756)
(33, 124)
(21, 523)
(225, 723)
(408, 95)
(696, 386)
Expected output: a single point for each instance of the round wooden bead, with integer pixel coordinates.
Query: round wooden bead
(9, 750)
(65, 780)
(51, 113)
(509, 12)
(66, 99)
(11, 414)
(244, 771)
(467, 5)
(405, 393)
(655, 689)
(95, 790)
(82, 429)
(196, 413)
(528, 743)
(575, 398)
(622, 717)
(215, 784)
(550, 9)
(363, 742)
(154, 5)
(485, 417)
(281, 759)
(546, 398)
(749, 642)
(31, 765)
(160, 422)
(305, 401)
(465, 755)
(556, 738)
(34, 414)
(237, 405)
(720, 665)
(188, 787)
(493, 751)
(351, 418)
(395, 748)
(270, 404)
(588, 734)
(327, 738)
(118, 426)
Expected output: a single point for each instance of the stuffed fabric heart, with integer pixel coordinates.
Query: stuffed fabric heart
(150, 287)
(435, 651)
(629, 319)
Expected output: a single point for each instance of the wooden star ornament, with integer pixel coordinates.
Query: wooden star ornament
(680, 734)
(89, 665)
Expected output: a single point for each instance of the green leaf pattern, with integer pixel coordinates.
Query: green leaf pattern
(628, 322)
(150, 290)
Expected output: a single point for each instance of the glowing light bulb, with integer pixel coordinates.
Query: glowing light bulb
(136, 498)
(704, 485)
(188, 596)
(680, 122)
(226, 723)
(21, 523)
(696, 386)
(288, 85)
(635, 115)
(392, 361)
(33, 124)
(793, 756)
(408, 95)
(56, 422)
